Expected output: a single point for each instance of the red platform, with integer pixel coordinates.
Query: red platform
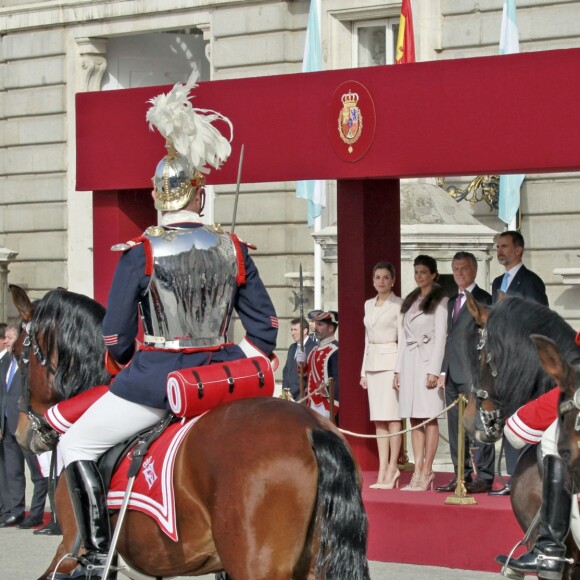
(419, 528)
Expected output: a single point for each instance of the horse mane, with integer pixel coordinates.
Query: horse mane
(70, 326)
(520, 375)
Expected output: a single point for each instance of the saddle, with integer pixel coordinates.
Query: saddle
(150, 455)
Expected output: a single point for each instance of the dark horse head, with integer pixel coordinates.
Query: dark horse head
(567, 376)
(506, 362)
(53, 370)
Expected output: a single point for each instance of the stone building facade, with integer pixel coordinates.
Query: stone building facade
(50, 50)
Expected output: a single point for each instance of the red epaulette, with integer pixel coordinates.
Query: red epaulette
(241, 277)
(137, 242)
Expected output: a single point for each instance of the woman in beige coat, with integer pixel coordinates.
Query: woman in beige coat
(422, 344)
(381, 325)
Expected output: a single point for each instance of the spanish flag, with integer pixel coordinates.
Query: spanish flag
(406, 38)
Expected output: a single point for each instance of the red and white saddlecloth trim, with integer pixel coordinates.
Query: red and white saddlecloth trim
(522, 431)
(153, 492)
(528, 423)
(64, 414)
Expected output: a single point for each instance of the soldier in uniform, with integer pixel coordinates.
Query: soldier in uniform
(184, 279)
(322, 362)
(537, 422)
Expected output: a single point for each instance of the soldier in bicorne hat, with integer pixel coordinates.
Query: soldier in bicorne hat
(322, 362)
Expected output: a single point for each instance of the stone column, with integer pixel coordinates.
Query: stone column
(327, 240)
(6, 256)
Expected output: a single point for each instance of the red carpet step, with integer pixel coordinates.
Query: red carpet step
(419, 528)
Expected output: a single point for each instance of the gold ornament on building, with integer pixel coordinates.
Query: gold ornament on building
(482, 188)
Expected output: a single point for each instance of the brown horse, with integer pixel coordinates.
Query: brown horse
(510, 373)
(264, 488)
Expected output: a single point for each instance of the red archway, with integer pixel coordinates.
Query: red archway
(508, 114)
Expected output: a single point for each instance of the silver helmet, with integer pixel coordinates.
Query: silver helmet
(175, 181)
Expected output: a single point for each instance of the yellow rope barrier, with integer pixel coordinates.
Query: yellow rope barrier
(366, 436)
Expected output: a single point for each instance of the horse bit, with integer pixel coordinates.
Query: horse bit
(38, 423)
(491, 420)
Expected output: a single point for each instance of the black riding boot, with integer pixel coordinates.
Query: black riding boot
(547, 559)
(89, 501)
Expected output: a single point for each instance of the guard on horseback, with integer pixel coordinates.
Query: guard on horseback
(183, 279)
(537, 423)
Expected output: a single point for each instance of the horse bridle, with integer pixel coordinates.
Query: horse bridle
(492, 421)
(569, 405)
(38, 424)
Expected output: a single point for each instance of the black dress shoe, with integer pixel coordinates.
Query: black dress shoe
(30, 522)
(478, 486)
(450, 487)
(10, 521)
(503, 491)
(51, 529)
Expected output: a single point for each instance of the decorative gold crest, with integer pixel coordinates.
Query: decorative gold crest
(350, 121)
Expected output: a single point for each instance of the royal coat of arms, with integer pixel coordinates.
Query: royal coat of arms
(350, 121)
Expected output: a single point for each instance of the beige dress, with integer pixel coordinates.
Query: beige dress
(381, 330)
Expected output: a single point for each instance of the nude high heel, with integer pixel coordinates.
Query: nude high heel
(415, 480)
(394, 482)
(426, 482)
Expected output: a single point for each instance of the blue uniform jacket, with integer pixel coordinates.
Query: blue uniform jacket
(144, 380)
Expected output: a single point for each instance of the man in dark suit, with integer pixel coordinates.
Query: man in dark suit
(290, 378)
(456, 375)
(516, 281)
(11, 455)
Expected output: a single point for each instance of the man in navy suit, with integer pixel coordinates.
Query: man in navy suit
(516, 281)
(456, 375)
(12, 457)
(290, 378)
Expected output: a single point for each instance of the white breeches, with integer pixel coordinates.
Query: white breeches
(549, 441)
(106, 422)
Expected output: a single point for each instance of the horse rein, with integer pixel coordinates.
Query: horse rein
(492, 421)
(38, 424)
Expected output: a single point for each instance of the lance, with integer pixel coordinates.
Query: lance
(301, 365)
(237, 189)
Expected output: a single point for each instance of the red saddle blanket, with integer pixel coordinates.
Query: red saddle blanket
(153, 492)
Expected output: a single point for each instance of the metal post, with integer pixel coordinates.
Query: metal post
(460, 497)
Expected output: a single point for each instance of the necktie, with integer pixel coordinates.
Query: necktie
(505, 282)
(457, 305)
(11, 371)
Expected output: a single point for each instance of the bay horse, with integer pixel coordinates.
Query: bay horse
(510, 373)
(264, 488)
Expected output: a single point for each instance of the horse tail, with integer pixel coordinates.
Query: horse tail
(340, 515)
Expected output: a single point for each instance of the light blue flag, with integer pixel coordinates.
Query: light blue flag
(509, 185)
(311, 190)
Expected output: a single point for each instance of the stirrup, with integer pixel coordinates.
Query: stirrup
(91, 567)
